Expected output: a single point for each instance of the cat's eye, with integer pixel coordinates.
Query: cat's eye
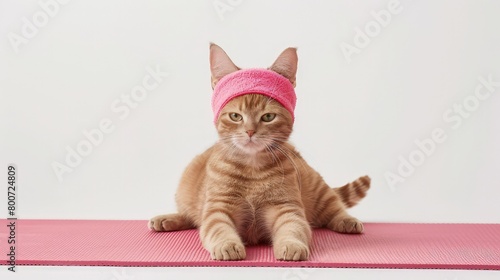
(268, 117)
(235, 117)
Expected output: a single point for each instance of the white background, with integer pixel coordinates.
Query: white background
(355, 115)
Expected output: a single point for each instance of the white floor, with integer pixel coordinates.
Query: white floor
(240, 273)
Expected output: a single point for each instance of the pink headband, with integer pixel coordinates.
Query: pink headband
(261, 81)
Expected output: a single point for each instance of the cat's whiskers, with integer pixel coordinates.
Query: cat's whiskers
(234, 151)
(295, 154)
(275, 144)
(281, 150)
(227, 151)
(278, 161)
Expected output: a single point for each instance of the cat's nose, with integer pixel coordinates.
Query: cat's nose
(250, 133)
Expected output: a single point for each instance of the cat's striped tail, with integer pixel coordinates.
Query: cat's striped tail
(353, 192)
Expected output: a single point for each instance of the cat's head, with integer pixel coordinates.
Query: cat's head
(254, 122)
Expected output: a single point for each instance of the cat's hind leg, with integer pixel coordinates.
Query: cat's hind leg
(345, 223)
(332, 214)
(330, 206)
(170, 222)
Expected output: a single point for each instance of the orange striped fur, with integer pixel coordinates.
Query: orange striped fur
(251, 188)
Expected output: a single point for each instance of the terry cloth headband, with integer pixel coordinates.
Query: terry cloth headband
(260, 81)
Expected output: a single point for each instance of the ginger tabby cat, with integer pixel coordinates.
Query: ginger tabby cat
(252, 186)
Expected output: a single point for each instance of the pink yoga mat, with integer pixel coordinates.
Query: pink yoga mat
(131, 243)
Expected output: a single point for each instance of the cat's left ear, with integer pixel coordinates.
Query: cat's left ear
(220, 64)
(286, 64)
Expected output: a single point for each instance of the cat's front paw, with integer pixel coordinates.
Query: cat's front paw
(346, 225)
(291, 250)
(228, 251)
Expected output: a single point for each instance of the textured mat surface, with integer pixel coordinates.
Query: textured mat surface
(131, 243)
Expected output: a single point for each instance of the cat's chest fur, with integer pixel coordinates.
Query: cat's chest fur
(249, 217)
(258, 190)
(254, 184)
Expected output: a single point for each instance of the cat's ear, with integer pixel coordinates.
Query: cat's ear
(286, 64)
(220, 64)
